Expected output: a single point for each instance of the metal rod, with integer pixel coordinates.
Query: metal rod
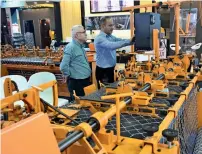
(57, 110)
(75, 136)
(177, 25)
(132, 28)
(160, 77)
(147, 86)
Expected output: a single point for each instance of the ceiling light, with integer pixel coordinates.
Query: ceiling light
(47, 1)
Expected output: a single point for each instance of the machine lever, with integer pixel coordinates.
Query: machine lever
(57, 110)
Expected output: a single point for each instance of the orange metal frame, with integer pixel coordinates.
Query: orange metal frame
(104, 141)
(31, 96)
(33, 135)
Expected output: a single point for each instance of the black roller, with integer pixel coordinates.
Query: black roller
(75, 136)
(146, 87)
(70, 140)
(160, 77)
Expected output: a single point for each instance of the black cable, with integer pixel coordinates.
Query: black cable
(57, 110)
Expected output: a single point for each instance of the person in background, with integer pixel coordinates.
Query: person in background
(74, 66)
(105, 46)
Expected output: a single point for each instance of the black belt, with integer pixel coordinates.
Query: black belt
(79, 79)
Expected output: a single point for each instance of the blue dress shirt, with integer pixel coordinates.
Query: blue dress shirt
(105, 46)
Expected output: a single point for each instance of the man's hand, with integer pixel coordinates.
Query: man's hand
(64, 79)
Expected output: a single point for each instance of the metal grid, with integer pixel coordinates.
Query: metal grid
(131, 125)
(113, 85)
(198, 145)
(186, 124)
(165, 101)
(174, 89)
(96, 96)
(82, 116)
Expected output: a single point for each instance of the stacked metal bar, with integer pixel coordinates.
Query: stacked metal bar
(39, 61)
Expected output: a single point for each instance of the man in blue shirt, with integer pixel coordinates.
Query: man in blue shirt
(74, 65)
(105, 46)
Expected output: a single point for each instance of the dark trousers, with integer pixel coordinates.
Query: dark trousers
(102, 73)
(77, 85)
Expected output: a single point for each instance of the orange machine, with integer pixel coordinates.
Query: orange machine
(110, 143)
(30, 132)
(132, 67)
(119, 144)
(174, 68)
(92, 135)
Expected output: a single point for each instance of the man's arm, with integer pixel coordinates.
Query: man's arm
(119, 39)
(132, 40)
(64, 65)
(103, 42)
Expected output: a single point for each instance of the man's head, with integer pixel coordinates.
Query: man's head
(106, 25)
(79, 33)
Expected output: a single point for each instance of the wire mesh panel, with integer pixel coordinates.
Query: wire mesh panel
(186, 124)
(131, 125)
(198, 145)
